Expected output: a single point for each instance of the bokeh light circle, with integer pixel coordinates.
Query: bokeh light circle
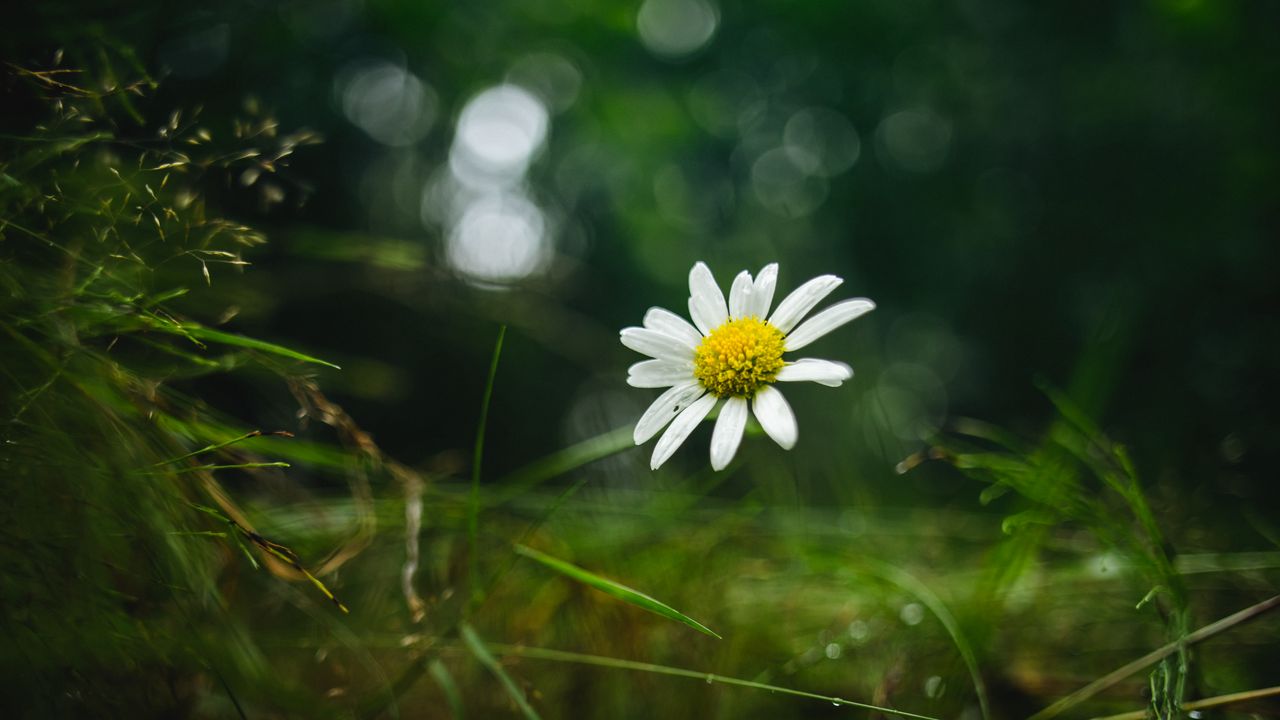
(676, 29)
(501, 238)
(501, 129)
(390, 104)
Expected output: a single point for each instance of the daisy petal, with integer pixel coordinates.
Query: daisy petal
(740, 295)
(801, 301)
(828, 320)
(762, 291)
(775, 416)
(706, 301)
(728, 433)
(823, 372)
(669, 323)
(664, 410)
(659, 373)
(679, 431)
(656, 344)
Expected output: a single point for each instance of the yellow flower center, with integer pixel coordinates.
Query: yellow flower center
(738, 357)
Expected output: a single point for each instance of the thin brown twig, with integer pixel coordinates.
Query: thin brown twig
(1155, 656)
(1207, 703)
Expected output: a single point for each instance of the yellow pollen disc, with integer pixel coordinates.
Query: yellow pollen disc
(738, 357)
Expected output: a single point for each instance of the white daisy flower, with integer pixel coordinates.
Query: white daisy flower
(732, 353)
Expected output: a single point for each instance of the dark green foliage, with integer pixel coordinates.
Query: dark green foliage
(110, 595)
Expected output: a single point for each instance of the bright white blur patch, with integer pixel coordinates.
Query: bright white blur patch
(934, 687)
(389, 103)
(495, 235)
(912, 613)
(914, 140)
(499, 132)
(500, 239)
(675, 29)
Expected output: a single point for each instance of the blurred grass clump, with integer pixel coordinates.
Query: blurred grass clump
(111, 551)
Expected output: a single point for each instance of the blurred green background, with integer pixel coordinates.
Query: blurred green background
(1076, 195)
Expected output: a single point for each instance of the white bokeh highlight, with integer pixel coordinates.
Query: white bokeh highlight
(500, 238)
(676, 29)
(390, 104)
(495, 233)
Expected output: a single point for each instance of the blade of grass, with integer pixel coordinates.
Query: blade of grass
(569, 492)
(1156, 656)
(200, 332)
(1188, 564)
(240, 466)
(212, 447)
(1205, 704)
(276, 550)
(444, 679)
(911, 584)
(618, 590)
(482, 654)
(473, 508)
(536, 653)
(315, 454)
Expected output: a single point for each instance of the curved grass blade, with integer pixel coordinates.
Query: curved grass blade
(618, 590)
(1155, 656)
(280, 552)
(908, 582)
(1205, 704)
(473, 506)
(200, 332)
(537, 653)
(452, 696)
(486, 658)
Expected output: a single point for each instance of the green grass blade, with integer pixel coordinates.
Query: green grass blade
(482, 654)
(238, 466)
(618, 590)
(908, 582)
(537, 653)
(212, 447)
(452, 696)
(473, 507)
(201, 332)
(1155, 656)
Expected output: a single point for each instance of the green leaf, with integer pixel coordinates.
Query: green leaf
(473, 507)
(201, 332)
(618, 590)
(452, 696)
(619, 664)
(486, 658)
